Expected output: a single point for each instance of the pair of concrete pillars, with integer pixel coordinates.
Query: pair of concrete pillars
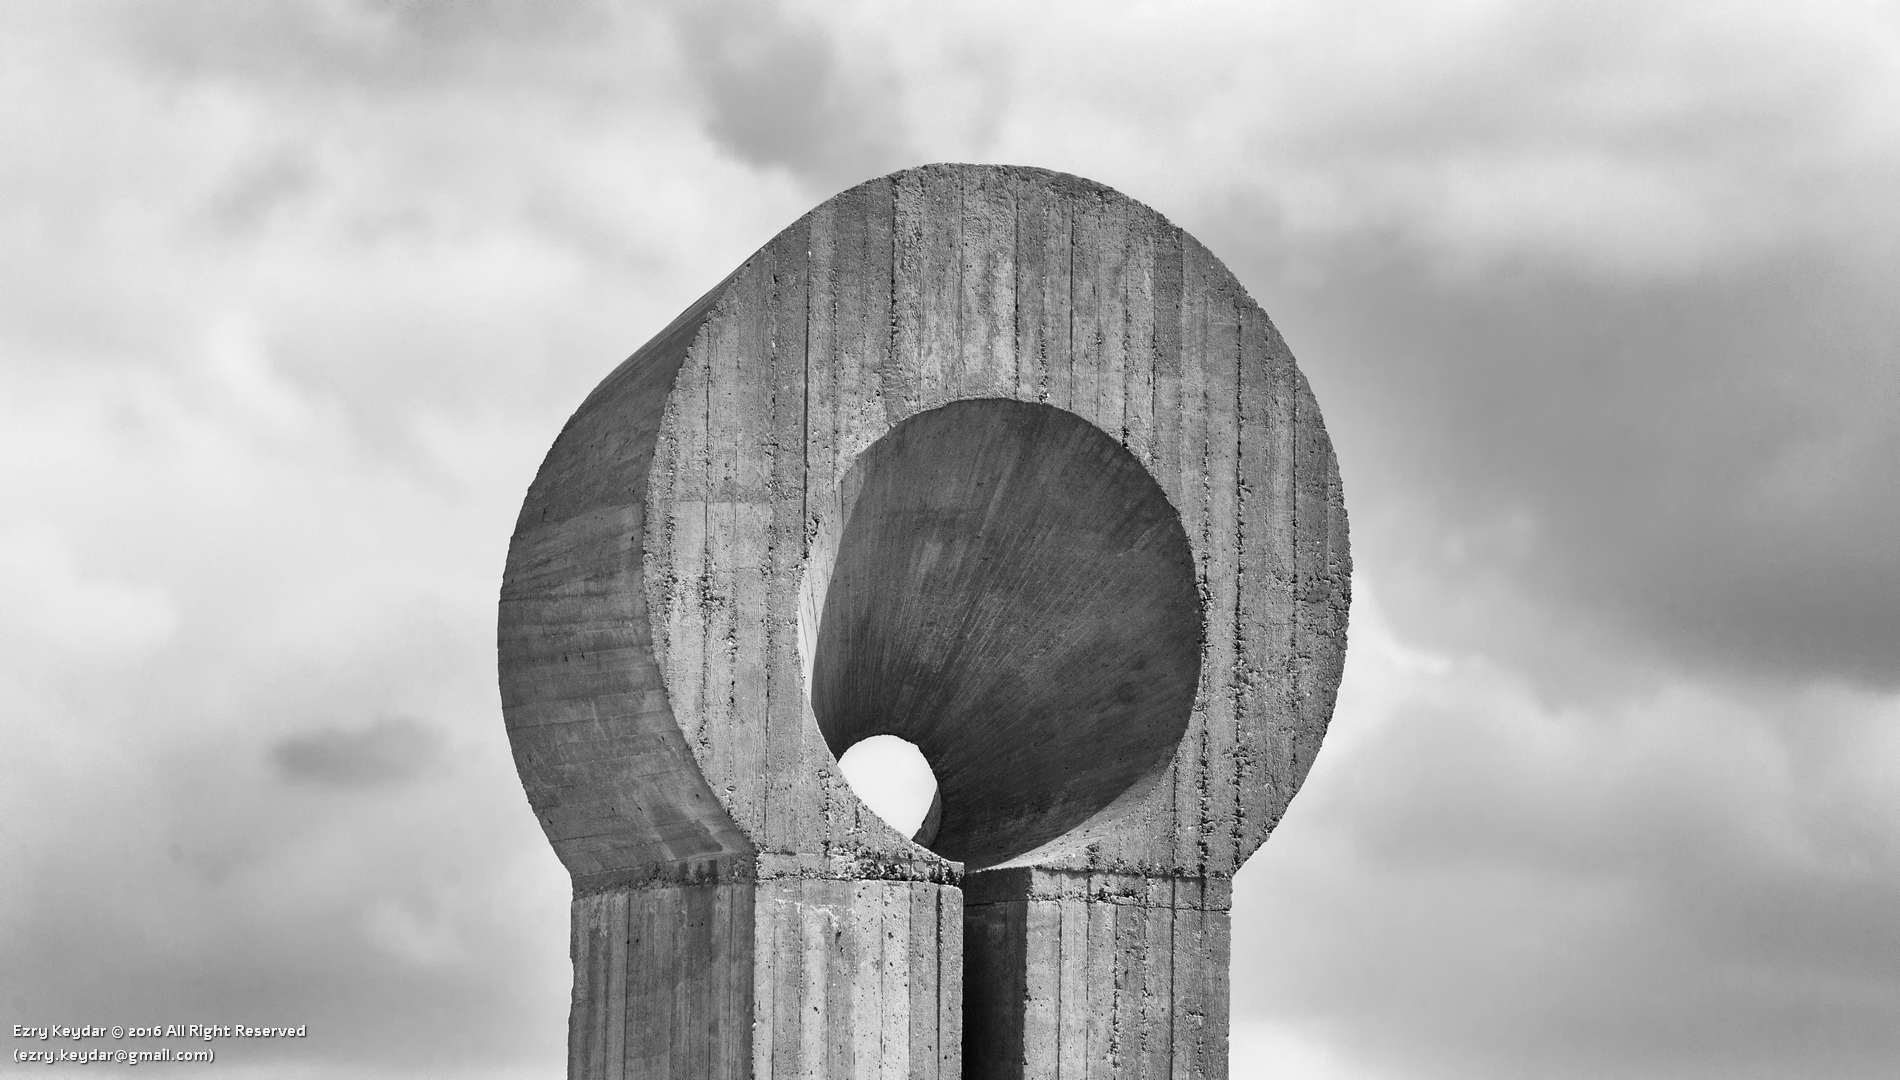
(993, 459)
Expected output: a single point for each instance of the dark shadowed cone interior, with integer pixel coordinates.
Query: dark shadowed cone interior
(1013, 593)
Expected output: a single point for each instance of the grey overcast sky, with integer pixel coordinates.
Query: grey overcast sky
(1598, 301)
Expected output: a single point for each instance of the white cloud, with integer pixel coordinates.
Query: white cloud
(1267, 1051)
(1621, 139)
(1476, 881)
(59, 608)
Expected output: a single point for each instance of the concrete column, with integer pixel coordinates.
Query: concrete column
(1095, 976)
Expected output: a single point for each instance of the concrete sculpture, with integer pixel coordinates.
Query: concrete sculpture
(994, 459)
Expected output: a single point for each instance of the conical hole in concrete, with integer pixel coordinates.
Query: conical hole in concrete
(1004, 585)
(893, 778)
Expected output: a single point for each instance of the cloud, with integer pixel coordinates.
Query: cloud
(217, 555)
(834, 94)
(1478, 883)
(391, 749)
(1595, 306)
(1257, 1051)
(260, 191)
(1683, 473)
(103, 620)
(777, 94)
(1628, 141)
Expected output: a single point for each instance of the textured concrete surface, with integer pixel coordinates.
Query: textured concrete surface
(994, 459)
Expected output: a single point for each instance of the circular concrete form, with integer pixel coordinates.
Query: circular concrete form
(1137, 677)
